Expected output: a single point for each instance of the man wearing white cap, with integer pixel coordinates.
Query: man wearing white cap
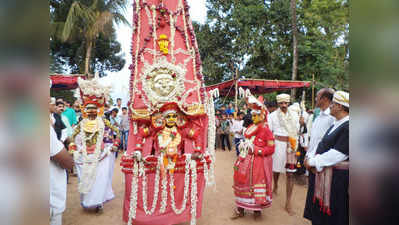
(327, 201)
(284, 123)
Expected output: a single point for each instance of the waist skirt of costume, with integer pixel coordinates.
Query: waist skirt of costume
(253, 182)
(101, 190)
(339, 201)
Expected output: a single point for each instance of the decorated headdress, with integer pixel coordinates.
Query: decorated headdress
(255, 104)
(91, 92)
(170, 107)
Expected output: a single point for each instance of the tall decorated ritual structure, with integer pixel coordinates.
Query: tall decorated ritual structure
(170, 156)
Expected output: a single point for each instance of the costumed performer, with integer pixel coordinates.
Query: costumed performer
(253, 168)
(91, 144)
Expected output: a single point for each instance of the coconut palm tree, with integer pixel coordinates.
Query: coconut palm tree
(91, 20)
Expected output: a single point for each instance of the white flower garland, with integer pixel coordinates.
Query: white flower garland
(133, 194)
(156, 189)
(172, 37)
(186, 187)
(210, 177)
(164, 194)
(190, 166)
(287, 121)
(193, 192)
(89, 167)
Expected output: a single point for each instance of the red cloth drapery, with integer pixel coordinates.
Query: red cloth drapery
(257, 86)
(64, 82)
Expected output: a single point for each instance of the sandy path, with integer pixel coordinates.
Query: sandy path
(217, 208)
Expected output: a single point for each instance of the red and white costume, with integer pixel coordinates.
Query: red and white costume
(253, 168)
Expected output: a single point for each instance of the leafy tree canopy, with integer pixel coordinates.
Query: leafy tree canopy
(106, 53)
(255, 35)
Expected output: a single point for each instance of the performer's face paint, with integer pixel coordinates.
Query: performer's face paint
(91, 111)
(257, 118)
(171, 119)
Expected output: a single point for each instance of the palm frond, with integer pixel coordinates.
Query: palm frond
(101, 21)
(76, 13)
(120, 19)
(56, 29)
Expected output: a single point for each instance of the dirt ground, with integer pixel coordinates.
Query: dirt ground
(217, 206)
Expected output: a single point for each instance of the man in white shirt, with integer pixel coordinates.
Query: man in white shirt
(60, 160)
(119, 106)
(237, 129)
(323, 121)
(284, 123)
(327, 201)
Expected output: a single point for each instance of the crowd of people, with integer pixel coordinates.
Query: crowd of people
(309, 145)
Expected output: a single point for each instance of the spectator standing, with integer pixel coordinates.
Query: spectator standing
(224, 137)
(237, 129)
(244, 109)
(247, 118)
(230, 110)
(231, 134)
(119, 106)
(218, 129)
(59, 125)
(67, 132)
(78, 113)
(70, 114)
(284, 124)
(271, 106)
(115, 122)
(124, 127)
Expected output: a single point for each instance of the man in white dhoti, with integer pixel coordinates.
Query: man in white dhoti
(94, 146)
(60, 160)
(285, 126)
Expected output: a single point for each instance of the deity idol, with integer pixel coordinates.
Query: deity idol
(94, 146)
(170, 152)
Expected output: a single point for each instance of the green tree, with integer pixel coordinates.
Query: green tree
(84, 28)
(257, 35)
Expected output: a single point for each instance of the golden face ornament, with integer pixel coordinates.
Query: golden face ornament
(257, 118)
(171, 119)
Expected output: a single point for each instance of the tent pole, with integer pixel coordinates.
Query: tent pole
(313, 90)
(236, 93)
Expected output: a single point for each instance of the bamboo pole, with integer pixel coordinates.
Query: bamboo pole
(236, 93)
(313, 81)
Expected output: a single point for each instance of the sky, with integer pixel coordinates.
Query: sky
(120, 80)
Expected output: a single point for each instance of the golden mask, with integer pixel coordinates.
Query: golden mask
(171, 119)
(257, 118)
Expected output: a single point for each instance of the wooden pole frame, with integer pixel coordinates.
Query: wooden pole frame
(236, 93)
(313, 81)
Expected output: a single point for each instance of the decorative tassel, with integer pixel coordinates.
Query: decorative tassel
(329, 211)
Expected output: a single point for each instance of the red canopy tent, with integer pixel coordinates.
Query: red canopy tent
(65, 82)
(257, 86)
